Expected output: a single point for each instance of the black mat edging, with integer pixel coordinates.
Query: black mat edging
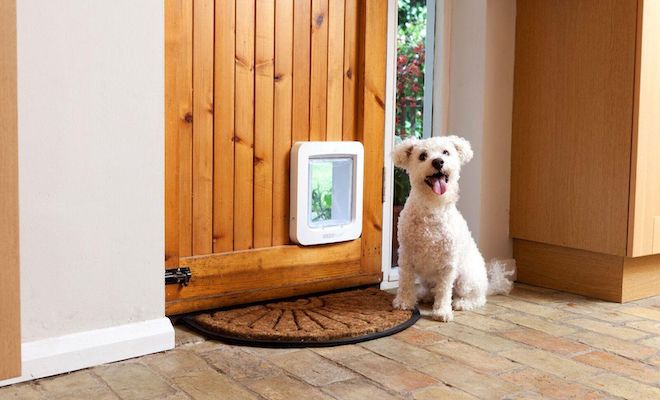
(288, 344)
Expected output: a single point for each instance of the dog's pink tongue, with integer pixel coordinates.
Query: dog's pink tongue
(439, 186)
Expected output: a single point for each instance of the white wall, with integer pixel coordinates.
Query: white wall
(480, 109)
(467, 78)
(498, 113)
(90, 107)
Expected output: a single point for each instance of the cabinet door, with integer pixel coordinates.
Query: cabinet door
(644, 227)
(572, 122)
(244, 81)
(10, 329)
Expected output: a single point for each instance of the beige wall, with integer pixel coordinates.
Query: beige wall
(90, 123)
(480, 109)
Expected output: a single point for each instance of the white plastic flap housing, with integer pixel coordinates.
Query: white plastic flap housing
(326, 192)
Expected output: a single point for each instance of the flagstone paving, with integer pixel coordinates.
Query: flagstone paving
(534, 344)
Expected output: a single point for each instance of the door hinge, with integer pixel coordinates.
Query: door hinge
(180, 276)
(382, 186)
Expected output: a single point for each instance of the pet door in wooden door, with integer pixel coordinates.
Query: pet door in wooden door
(326, 192)
(244, 81)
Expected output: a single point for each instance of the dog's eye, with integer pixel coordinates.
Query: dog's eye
(422, 156)
(446, 152)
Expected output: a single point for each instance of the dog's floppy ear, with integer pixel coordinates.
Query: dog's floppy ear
(463, 148)
(403, 152)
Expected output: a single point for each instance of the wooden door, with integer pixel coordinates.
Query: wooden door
(244, 80)
(10, 329)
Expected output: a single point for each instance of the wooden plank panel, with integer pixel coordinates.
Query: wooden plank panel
(203, 127)
(178, 111)
(267, 267)
(262, 274)
(373, 130)
(270, 293)
(244, 114)
(10, 326)
(185, 129)
(319, 71)
(645, 173)
(302, 15)
(571, 145)
(172, 27)
(223, 142)
(350, 74)
(282, 119)
(362, 18)
(263, 123)
(335, 97)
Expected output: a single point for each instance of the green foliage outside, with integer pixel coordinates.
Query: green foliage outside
(321, 205)
(401, 186)
(411, 37)
(321, 191)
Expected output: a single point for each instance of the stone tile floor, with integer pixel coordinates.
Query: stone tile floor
(534, 344)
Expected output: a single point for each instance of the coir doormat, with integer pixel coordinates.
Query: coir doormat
(314, 321)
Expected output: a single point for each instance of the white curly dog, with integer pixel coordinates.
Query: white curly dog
(435, 243)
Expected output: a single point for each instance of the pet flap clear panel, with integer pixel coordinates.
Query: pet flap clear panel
(330, 186)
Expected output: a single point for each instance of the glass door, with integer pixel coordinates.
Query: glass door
(415, 34)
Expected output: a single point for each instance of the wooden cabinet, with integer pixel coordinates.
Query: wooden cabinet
(585, 197)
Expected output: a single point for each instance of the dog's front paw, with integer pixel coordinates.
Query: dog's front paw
(443, 314)
(401, 303)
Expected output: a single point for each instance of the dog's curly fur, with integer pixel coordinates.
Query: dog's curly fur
(435, 242)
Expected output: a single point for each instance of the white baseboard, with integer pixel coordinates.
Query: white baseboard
(76, 351)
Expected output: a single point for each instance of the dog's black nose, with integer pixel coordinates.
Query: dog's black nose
(437, 163)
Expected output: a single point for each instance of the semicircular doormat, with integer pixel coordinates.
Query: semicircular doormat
(313, 321)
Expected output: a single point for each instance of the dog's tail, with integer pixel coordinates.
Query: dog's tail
(500, 276)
